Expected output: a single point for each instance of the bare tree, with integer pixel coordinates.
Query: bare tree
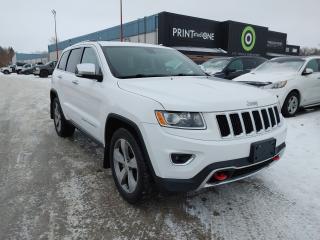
(309, 51)
(6, 55)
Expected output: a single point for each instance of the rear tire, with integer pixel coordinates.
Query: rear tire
(44, 74)
(6, 72)
(129, 169)
(62, 126)
(291, 105)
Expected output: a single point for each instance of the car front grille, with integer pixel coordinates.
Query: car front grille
(248, 122)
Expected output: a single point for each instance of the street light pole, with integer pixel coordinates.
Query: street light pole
(55, 30)
(121, 22)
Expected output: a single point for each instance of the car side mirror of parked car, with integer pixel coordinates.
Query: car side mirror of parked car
(88, 70)
(307, 71)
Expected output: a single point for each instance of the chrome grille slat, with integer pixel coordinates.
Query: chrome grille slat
(248, 122)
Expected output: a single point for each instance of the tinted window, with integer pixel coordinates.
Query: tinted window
(74, 60)
(236, 65)
(63, 61)
(314, 65)
(89, 56)
(251, 63)
(140, 62)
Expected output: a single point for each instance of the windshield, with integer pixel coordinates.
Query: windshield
(218, 64)
(140, 62)
(281, 65)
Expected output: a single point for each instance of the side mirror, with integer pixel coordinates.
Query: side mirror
(88, 70)
(307, 71)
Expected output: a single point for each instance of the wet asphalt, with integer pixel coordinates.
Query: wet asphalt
(54, 188)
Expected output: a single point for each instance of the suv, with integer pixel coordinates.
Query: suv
(44, 71)
(6, 70)
(231, 67)
(294, 80)
(161, 120)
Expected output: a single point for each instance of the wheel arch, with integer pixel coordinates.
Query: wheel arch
(53, 95)
(114, 122)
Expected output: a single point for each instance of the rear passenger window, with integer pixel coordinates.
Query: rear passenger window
(74, 59)
(63, 61)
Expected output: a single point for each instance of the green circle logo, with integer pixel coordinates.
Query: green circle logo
(248, 38)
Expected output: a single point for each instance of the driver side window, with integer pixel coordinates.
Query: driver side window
(236, 65)
(314, 65)
(89, 56)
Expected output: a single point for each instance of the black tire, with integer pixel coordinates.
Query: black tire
(291, 105)
(6, 72)
(62, 126)
(44, 74)
(143, 187)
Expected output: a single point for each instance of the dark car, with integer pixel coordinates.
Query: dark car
(231, 67)
(45, 70)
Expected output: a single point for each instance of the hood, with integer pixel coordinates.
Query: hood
(198, 94)
(265, 77)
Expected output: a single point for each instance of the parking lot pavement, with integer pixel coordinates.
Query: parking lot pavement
(53, 188)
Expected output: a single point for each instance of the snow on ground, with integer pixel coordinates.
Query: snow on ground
(283, 202)
(53, 188)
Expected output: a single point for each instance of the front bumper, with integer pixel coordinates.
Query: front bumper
(238, 169)
(210, 156)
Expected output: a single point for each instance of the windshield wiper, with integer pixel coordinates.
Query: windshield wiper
(186, 75)
(143, 76)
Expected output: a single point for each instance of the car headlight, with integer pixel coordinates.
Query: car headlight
(276, 85)
(185, 120)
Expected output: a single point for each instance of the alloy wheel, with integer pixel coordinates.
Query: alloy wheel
(125, 165)
(57, 117)
(293, 104)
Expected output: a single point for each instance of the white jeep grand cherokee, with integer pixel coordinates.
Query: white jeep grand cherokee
(161, 120)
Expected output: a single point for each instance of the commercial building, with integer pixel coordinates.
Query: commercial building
(30, 58)
(198, 38)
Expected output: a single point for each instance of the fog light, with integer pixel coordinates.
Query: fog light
(181, 158)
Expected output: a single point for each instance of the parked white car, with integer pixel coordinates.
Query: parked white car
(161, 120)
(294, 80)
(6, 70)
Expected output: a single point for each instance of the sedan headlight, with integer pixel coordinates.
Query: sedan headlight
(276, 85)
(185, 120)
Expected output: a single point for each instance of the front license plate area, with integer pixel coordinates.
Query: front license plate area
(263, 150)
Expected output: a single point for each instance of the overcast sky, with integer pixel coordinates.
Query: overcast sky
(28, 25)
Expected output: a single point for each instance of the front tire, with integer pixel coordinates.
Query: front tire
(128, 165)
(6, 72)
(62, 126)
(291, 105)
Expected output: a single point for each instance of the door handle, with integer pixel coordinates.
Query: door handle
(75, 82)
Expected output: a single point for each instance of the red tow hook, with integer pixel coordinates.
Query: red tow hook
(276, 158)
(220, 176)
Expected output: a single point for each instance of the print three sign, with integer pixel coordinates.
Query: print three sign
(191, 34)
